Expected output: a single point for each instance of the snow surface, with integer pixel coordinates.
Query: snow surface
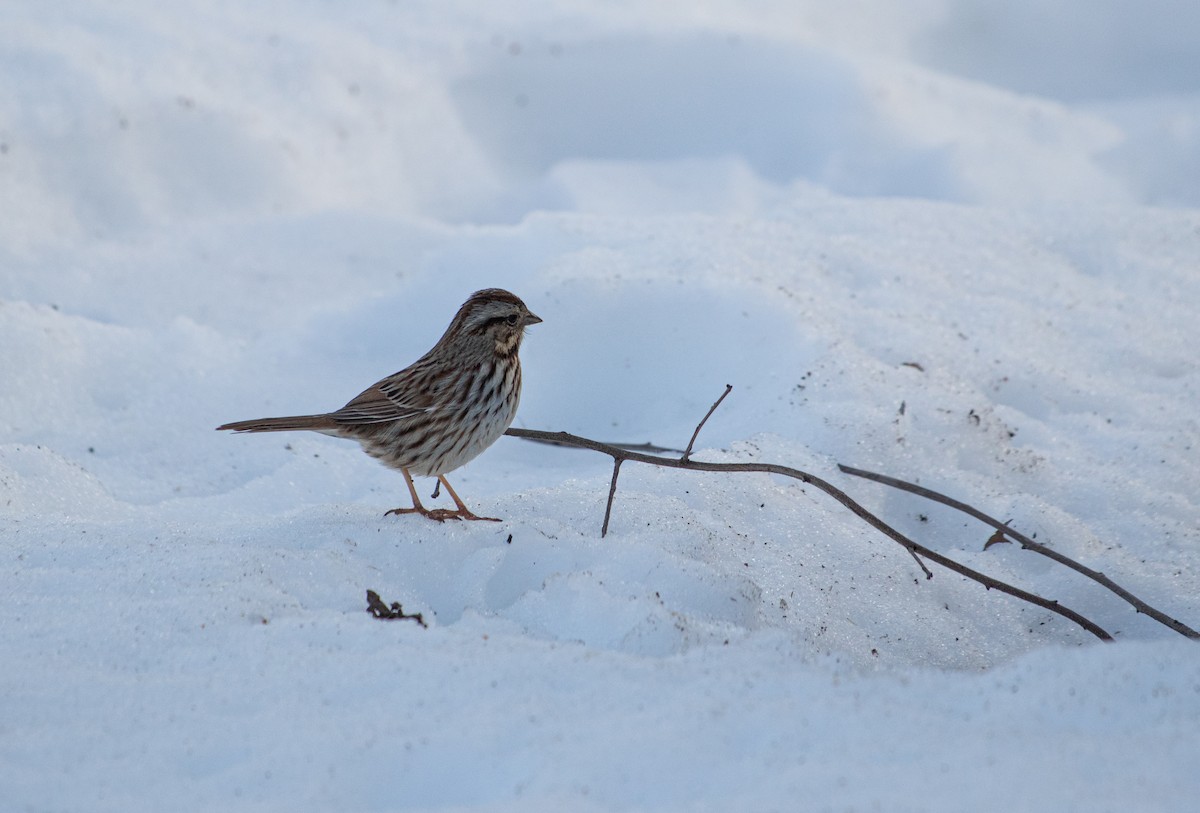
(212, 211)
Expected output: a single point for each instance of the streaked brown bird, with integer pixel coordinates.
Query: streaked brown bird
(444, 409)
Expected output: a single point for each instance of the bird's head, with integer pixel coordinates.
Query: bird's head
(498, 315)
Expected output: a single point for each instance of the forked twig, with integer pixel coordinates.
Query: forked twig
(620, 455)
(1028, 544)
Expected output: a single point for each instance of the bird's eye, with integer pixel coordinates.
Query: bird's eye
(512, 319)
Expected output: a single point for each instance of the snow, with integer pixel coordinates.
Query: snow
(950, 241)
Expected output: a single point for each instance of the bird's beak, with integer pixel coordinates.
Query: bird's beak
(532, 319)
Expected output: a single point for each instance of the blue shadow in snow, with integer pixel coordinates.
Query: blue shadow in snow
(789, 112)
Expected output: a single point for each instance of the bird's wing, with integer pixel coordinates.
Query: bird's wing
(374, 405)
(394, 399)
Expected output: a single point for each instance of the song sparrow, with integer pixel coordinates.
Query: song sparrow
(444, 409)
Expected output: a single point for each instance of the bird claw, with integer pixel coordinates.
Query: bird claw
(441, 514)
(399, 511)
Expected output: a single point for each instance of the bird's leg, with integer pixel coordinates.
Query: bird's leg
(417, 507)
(462, 513)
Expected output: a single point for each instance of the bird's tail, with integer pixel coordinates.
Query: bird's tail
(315, 423)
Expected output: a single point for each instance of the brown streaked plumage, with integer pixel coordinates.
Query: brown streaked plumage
(444, 409)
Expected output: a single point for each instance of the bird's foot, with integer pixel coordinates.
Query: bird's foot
(442, 514)
(399, 511)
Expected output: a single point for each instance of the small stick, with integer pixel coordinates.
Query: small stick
(1028, 544)
(384, 612)
(649, 448)
(687, 453)
(612, 494)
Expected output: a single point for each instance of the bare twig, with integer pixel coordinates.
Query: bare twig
(612, 494)
(648, 447)
(621, 455)
(1002, 530)
(687, 453)
(384, 612)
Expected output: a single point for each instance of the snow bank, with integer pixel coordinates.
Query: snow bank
(906, 252)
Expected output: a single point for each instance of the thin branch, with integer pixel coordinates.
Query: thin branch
(648, 447)
(1028, 544)
(687, 453)
(622, 455)
(612, 494)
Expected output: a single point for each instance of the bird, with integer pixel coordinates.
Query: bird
(441, 411)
